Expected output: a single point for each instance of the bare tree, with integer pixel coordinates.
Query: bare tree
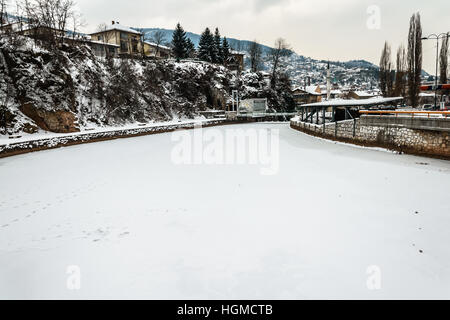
(414, 59)
(400, 75)
(3, 12)
(10, 32)
(255, 51)
(77, 23)
(444, 59)
(158, 38)
(50, 18)
(282, 49)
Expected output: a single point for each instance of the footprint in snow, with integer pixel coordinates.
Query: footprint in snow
(124, 234)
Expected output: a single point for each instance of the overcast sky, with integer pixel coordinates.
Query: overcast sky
(322, 29)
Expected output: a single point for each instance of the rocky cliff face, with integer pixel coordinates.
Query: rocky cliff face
(70, 89)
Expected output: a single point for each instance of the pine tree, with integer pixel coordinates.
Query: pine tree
(217, 55)
(205, 46)
(179, 43)
(190, 48)
(226, 53)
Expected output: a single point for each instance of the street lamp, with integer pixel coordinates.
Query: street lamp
(437, 37)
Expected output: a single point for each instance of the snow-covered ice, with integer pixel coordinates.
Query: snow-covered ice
(136, 225)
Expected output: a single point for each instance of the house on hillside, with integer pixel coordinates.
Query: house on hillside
(128, 39)
(158, 51)
(334, 94)
(236, 61)
(308, 94)
(44, 33)
(10, 27)
(360, 95)
(101, 49)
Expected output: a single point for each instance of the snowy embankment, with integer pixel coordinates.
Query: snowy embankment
(70, 89)
(121, 219)
(43, 141)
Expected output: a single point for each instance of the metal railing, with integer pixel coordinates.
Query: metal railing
(412, 113)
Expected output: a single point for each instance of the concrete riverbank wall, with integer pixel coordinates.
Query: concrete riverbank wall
(420, 136)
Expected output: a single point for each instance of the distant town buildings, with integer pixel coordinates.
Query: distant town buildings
(307, 94)
(360, 95)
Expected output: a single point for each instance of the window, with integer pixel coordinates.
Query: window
(134, 45)
(123, 46)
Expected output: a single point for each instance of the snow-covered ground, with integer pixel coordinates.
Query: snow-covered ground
(25, 137)
(120, 219)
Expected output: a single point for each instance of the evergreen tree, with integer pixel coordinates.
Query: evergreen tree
(179, 43)
(205, 46)
(190, 48)
(217, 54)
(226, 53)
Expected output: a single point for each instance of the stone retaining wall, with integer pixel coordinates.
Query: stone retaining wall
(366, 132)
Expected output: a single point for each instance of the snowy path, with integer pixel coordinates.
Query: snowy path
(138, 226)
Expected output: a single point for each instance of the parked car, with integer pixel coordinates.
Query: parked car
(383, 108)
(428, 107)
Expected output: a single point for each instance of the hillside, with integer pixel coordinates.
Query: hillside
(70, 89)
(195, 38)
(353, 73)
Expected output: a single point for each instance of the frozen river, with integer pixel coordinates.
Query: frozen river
(311, 219)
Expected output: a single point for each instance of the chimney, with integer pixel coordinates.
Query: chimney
(113, 23)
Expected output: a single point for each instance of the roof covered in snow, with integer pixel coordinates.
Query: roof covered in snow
(353, 103)
(118, 27)
(152, 44)
(363, 94)
(335, 92)
(424, 95)
(312, 90)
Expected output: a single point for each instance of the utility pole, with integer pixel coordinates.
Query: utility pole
(328, 82)
(437, 37)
